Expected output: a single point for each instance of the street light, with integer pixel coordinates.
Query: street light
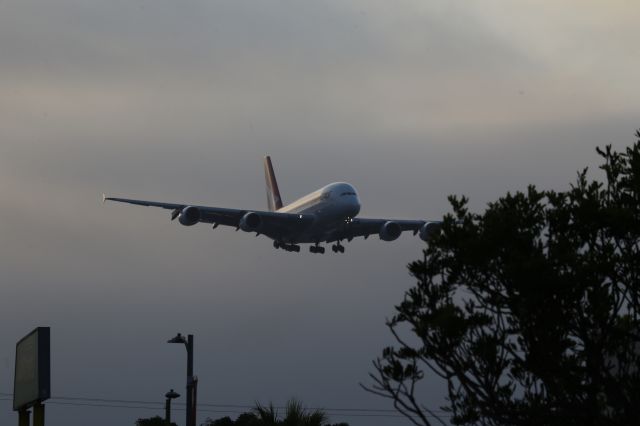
(178, 339)
(192, 382)
(167, 405)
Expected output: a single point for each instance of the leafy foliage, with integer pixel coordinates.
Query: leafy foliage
(153, 421)
(246, 419)
(530, 311)
(295, 415)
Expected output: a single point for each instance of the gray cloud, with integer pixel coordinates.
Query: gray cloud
(409, 101)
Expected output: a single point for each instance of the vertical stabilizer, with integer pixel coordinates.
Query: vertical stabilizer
(273, 193)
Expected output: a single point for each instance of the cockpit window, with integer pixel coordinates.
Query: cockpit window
(347, 193)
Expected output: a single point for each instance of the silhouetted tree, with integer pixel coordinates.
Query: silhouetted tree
(530, 311)
(295, 415)
(246, 419)
(153, 421)
(268, 415)
(224, 421)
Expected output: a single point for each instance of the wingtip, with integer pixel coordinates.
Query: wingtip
(104, 197)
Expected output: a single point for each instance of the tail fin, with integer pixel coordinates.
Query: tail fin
(273, 193)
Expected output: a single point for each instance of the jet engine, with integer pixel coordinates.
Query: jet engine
(390, 231)
(250, 222)
(429, 230)
(189, 216)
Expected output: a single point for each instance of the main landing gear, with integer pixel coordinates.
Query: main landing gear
(316, 249)
(287, 247)
(337, 247)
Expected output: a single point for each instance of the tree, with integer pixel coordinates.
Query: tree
(246, 419)
(295, 415)
(530, 312)
(153, 421)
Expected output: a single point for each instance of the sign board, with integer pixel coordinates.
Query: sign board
(32, 379)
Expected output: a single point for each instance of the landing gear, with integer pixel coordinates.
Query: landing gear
(337, 248)
(287, 247)
(316, 249)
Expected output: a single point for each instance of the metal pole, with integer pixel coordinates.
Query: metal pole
(167, 405)
(23, 417)
(38, 414)
(190, 410)
(195, 399)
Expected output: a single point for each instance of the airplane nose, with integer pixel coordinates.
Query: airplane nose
(356, 207)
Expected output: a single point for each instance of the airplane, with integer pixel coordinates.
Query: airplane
(327, 215)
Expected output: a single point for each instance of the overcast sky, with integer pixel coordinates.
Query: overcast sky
(178, 101)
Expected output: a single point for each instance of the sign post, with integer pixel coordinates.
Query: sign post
(23, 417)
(38, 414)
(32, 378)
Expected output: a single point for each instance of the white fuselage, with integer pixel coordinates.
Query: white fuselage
(331, 205)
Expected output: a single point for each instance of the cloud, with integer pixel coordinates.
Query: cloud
(402, 68)
(177, 101)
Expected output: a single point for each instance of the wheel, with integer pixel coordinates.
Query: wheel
(276, 244)
(320, 250)
(341, 249)
(313, 249)
(295, 248)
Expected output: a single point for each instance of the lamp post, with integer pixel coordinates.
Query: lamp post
(191, 403)
(167, 405)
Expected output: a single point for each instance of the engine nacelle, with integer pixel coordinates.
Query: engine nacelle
(390, 231)
(189, 216)
(429, 230)
(251, 222)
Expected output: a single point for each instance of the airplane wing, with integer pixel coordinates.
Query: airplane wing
(248, 220)
(387, 229)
